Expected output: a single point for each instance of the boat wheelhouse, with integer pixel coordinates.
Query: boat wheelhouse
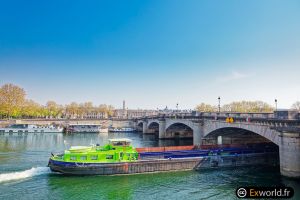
(117, 150)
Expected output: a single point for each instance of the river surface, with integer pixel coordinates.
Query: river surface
(24, 175)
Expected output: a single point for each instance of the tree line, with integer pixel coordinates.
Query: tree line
(13, 104)
(242, 107)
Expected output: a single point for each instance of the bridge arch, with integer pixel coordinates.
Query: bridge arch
(210, 128)
(153, 127)
(139, 126)
(236, 136)
(179, 130)
(188, 123)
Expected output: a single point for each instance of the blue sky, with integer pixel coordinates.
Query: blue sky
(152, 53)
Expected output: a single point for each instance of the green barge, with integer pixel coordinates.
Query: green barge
(120, 157)
(116, 157)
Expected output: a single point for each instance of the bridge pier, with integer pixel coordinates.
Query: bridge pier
(197, 134)
(289, 154)
(162, 129)
(145, 127)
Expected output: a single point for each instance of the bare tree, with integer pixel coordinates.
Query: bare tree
(205, 108)
(12, 99)
(72, 109)
(296, 105)
(53, 108)
(248, 106)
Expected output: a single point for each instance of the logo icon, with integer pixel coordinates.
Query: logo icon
(241, 192)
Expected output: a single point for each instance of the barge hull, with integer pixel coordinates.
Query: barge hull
(142, 166)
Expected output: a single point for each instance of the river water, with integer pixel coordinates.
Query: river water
(24, 175)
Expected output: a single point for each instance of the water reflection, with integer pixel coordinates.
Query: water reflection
(59, 141)
(19, 153)
(35, 148)
(95, 187)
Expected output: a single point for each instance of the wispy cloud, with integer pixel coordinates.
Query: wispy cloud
(234, 75)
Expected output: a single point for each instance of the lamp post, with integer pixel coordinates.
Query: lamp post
(219, 106)
(276, 105)
(177, 107)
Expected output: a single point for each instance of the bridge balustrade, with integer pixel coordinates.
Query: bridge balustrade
(263, 118)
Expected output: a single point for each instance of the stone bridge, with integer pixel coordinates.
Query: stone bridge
(285, 133)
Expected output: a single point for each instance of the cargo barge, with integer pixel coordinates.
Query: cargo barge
(119, 157)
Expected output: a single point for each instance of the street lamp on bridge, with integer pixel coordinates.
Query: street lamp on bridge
(276, 105)
(219, 106)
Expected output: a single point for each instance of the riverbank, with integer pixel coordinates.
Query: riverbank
(120, 123)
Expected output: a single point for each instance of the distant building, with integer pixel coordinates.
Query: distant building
(90, 115)
(95, 115)
(141, 113)
(126, 113)
(133, 113)
(123, 113)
